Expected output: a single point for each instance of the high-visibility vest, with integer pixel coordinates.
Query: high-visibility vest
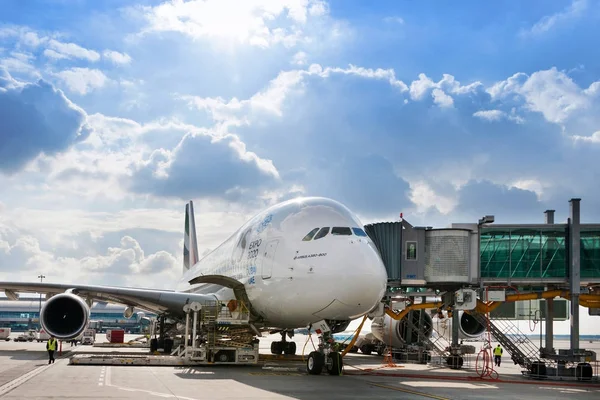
(498, 351)
(51, 344)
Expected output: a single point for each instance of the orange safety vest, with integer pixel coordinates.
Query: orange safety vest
(51, 344)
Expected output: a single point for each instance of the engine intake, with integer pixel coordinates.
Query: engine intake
(396, 333)
(65, 316)
(470, 327)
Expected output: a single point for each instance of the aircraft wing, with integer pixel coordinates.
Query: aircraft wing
(153, 300)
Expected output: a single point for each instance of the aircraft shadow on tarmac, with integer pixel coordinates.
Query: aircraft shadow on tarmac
(25, 354)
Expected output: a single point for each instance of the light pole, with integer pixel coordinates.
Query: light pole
(40, 309)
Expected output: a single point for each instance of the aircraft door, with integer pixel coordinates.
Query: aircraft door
(267, 259)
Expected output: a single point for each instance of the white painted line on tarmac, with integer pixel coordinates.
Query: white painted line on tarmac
(107, 382)
(7, 387)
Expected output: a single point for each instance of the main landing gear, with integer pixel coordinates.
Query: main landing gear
(325, 356)
(285, 347)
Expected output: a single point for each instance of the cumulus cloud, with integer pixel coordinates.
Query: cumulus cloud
(594, 138)
(550, 92)
(36, 118)
(83, 80)
(259, 23)
(116, 57)
(203, 165)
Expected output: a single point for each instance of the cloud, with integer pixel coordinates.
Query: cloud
(71, 50)
(507, 204)
(190, 170)
(441, 98)
(259, 23)
(36, 118)
(83, 80)
(550, 92)
(548, 22)
(439, 90)
(594, 138)
(300, 58)
(498, 115)
(116, 57)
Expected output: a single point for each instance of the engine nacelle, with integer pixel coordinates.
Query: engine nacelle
(65, 316)
(469, 327)
(395, 333)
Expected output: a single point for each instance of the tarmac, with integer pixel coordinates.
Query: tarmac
(26, 374)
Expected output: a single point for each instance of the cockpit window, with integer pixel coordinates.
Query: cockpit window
(359, 232)
(323, 232)
(310, 235)
(339, 230)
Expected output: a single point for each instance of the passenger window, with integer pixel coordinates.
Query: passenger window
(359, 232)
(337, 230)
(310, 235)
(323, 232)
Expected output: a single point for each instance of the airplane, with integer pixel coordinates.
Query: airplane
(294, 264)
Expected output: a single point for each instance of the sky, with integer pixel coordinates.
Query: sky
(113, 114)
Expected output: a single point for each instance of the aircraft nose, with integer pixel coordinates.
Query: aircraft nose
(364, 278)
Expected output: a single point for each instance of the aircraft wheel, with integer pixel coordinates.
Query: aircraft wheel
(290, 348)
(276, 348)
(315, 362)
(335, 365)
(365, 349)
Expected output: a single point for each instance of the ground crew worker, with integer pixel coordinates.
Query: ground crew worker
(51, 347)
(498, 355)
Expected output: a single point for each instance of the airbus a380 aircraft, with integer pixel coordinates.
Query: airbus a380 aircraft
(294, 264)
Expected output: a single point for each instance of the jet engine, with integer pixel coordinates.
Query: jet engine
(65, 316)
(395, 333)
(469, 327)
(382, 327)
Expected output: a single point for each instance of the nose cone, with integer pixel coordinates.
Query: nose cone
(361, 282)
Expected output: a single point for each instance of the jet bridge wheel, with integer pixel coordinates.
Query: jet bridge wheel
(315, 363)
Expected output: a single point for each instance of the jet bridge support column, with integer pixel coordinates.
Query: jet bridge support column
(455, 326)
(549, 302)
(550, 326)
(575, 264)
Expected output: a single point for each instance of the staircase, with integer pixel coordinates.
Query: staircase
(209, 320)
(438, 344)
(522, 350)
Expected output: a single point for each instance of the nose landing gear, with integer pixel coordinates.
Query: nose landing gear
(325, 356)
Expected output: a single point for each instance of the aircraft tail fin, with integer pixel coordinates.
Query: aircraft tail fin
(190, 245)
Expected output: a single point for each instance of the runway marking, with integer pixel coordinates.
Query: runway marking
(431, 396)
(107, 382)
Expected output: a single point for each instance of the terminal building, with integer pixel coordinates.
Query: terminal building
(23, 314)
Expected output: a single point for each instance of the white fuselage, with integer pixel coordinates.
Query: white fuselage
(293, 282)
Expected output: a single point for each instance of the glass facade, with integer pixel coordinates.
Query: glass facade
(523, 253)
(590, 252)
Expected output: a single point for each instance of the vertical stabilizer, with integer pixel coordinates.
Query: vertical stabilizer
(190, 245)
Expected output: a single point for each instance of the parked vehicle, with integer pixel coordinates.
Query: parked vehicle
(42, 336)
(4, 334)
(27, 336)
(89, 336)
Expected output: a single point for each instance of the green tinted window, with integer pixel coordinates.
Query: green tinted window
(523, 253)
(590, 253)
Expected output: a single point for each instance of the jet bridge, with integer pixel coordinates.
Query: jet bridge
(531, 259)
